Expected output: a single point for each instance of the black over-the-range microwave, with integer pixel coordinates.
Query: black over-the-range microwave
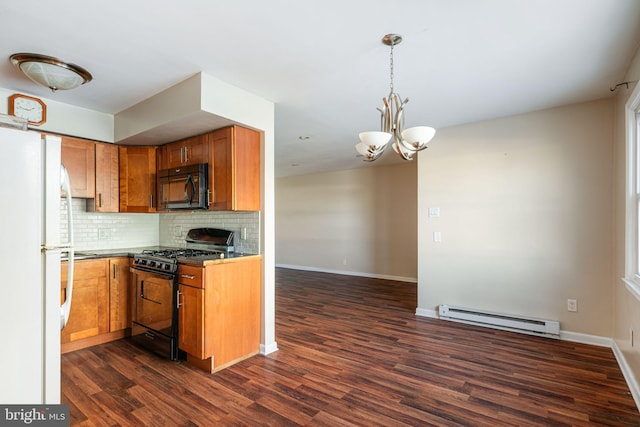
(183, 187)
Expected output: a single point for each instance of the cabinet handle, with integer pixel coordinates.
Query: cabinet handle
(179, 304)
(181, 156)
(187, 276)
(99, 200)
(208, 197)
(186, 154)
(114, 271)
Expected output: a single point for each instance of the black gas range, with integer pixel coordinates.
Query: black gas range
(154, 276)
(165, 260)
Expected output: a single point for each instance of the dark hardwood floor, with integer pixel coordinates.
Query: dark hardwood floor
(353, 353)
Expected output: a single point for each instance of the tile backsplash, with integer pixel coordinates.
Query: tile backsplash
(95, 231)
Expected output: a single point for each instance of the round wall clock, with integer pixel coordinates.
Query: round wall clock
(28, 107)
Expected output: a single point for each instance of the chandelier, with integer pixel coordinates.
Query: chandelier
(406, 142)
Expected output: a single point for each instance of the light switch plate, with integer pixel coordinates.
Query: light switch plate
(434, 212)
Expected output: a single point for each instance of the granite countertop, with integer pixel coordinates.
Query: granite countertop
(130, 252)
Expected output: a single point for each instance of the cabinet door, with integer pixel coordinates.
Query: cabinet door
(78, 157)
(246, 170)
(236, 169)
(107, 178)
(89, 315)
(188, 151)
(221, 181)
(119, 294)
(174, 155)
(233, 294)
(137, 179)
(196, 150)
(191, 321)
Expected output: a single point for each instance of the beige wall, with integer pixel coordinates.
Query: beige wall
(359, 221)
(525, 219)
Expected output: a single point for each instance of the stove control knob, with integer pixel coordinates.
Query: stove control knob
(152, 263)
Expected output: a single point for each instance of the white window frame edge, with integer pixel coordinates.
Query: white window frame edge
(632, 279)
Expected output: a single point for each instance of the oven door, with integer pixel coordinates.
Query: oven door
(155, 318)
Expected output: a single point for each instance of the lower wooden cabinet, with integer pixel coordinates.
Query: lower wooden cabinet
(100, 304)
(191, 321)
(89, 315)
(219, 312)
(119, 294)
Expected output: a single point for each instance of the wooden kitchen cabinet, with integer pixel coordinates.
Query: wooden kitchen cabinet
(234, 179)
(189, 151)
(191, 310)
(101, 303)
(78, 157)
(219, 313)
(119, 294)
(106, 178)
(137, 178)
(191, 321)
(89, 315)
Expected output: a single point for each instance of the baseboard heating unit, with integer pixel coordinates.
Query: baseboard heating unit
(525, 325)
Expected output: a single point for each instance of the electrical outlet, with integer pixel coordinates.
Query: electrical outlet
(572, 305)
(103, 234)
(177, 231)
(344, 261)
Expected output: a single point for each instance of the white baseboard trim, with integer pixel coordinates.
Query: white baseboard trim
(349, 273)
(586, 339)
(268, 348)
(423, 312)
(627, 372)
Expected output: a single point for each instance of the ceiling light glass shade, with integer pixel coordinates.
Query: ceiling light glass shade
(51, 72)
(375, 138)
(418, 136)
(366, 151)
(406, 153)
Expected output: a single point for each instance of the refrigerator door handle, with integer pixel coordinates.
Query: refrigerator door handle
(65, 308)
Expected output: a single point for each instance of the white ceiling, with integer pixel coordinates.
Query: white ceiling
(322, 63)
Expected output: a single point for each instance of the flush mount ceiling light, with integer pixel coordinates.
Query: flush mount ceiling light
(406, 142)
(50, 72)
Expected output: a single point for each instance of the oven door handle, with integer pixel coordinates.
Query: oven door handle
(169, 276)
(144, 297)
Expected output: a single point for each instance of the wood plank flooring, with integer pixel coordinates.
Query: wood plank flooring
(353, 353)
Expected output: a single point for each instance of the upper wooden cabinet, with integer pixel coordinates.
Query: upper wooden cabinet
(234, 179)
(190, 151)
(78, 157)
(107, 179)
(137, 179)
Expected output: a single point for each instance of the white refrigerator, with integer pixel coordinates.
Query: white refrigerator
(30, 189)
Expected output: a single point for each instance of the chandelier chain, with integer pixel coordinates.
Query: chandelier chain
(391, 66)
